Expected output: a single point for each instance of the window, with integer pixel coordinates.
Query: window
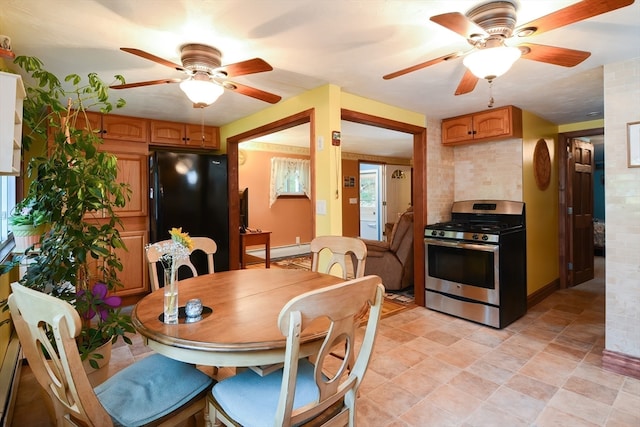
(289, 177)
(7, 202)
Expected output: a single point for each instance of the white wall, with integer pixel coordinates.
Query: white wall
(622, 210)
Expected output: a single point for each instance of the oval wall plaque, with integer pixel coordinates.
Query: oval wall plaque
(542, 164)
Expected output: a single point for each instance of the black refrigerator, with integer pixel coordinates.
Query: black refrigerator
(189, 190)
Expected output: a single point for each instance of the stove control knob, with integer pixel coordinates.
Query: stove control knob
(434, 233)
(475, 237)
(441, 234)
(485, 237)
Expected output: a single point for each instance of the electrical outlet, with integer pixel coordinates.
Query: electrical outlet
(297, 240)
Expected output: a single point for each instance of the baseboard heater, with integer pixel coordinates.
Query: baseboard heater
(9, 380)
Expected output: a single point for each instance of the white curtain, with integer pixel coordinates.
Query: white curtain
(286, 171)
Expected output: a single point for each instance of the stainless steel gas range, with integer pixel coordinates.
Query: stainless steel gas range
(476, 264)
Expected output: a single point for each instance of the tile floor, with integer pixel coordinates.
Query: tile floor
(430, 369)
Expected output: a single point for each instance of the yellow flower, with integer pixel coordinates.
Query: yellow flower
(181, 237)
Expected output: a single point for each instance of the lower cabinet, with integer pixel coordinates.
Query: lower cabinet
(134, 274)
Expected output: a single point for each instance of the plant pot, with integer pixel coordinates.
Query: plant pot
(99, 375)
(26, 236)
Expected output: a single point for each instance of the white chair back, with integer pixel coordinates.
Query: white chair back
(204, 244)
(342, 250)
(59, 371)
(320, 388)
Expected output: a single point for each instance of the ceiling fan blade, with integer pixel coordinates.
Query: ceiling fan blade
(459, 23)
(252, 92)
(150, 57)
(251, 66)
(147, 83)
(422, 65)
(467, 83)
(553, 55)
(576, 12)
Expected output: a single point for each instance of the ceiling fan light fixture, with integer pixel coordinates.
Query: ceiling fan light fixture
(200, 89)
(491, 62)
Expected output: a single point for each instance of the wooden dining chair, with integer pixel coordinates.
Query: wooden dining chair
(342, 250)
(154, 391)
(305, 389)
(204, 244)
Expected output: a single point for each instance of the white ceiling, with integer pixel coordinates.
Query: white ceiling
(349, 43)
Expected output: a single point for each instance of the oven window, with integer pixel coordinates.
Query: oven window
(459, 265)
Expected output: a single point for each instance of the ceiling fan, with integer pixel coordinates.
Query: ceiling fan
(488, 26)
(206, 78)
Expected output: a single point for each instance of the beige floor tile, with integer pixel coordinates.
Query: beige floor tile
(455, 401)
(490, 415)
(552, 417)
(591, 390)
(473, 385)
(580, 406)
(521, 405)
(425, 413)
(532, 387)
(549, 368)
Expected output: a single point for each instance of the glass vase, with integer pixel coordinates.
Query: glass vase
(170, 297)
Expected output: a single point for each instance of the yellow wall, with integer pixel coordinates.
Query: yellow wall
(326, 101)
(571, 127)
(541, 206)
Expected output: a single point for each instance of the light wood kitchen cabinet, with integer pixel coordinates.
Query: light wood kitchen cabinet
(114, 127)
(181, 135)
(12, 95)
(489, 125)
(122, 128)
(133, 170)
(135, 273)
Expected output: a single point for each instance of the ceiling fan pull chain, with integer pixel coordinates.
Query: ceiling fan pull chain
(490, 104)
(202, 125)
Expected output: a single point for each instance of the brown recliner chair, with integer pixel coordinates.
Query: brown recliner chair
(393, 260)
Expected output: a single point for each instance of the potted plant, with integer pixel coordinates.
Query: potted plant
(27, 223)
(74, 187)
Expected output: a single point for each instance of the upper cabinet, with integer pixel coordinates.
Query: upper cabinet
(180, 134)
(12, 95)
(489, 125)
(124, 128)
(115, 128)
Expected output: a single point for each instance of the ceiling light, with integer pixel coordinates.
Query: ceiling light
(492, 62)
(200, 89)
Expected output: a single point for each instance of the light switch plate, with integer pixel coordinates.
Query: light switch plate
(321, 207)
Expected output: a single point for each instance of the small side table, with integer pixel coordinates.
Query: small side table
(252, 239)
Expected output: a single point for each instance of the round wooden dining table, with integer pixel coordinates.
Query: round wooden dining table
(239, 325)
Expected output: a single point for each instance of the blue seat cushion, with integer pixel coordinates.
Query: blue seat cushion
(150, 389)
(252, 400)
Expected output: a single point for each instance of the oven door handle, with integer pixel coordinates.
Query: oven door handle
(462, 245)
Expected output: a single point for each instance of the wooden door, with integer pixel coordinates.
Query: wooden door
(581, 166)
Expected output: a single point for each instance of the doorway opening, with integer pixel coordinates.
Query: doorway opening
(372, 209)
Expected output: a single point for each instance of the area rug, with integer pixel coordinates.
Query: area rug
(394, 302)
